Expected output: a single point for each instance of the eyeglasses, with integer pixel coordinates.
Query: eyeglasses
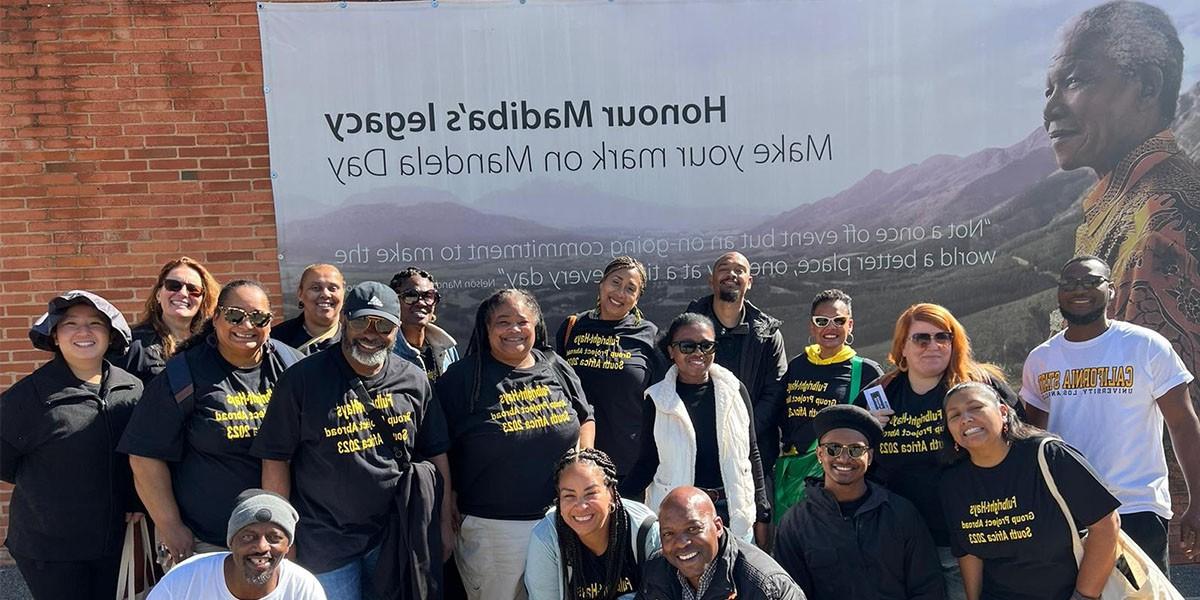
(825, 321)
(359, 325)
(174, 285)
(689, 347)
(835, 450)
(234, 316)
(943, 338)
(1084, 283)
(411, 297)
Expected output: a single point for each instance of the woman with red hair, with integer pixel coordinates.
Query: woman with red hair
(930, 354)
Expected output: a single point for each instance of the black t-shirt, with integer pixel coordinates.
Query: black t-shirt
(592, 570)
(910, 459)
(344, 469)
(808, 389)
(1006, 516)
(206, 441)
(144, 357)
(616, 361)
(504, 448)
(293, 333)
(700, 401)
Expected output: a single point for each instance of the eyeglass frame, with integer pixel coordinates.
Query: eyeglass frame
(834, 450)
(943, 338)
(695, 346)
(247, 316)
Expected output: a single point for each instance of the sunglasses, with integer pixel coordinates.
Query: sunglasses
(234, 316)
(689, 347)
(835, 450)
(174, 285)
(943, 338)
(411, 297)
(1085, 283)
(825, 321)
(359, 325)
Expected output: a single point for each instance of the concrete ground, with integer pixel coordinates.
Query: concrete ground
(1185, 577)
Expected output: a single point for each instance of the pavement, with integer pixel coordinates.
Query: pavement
(1185, 577)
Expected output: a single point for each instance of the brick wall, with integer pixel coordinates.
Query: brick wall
(130, 133)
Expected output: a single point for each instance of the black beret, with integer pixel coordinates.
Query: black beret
(847, 416)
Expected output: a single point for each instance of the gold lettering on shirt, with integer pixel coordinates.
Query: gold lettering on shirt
(242, 423)
(356, 427)
(530, 408)
(593, 590)
(1000, 520)
(803, 401)
(595, 351)
(908, 433)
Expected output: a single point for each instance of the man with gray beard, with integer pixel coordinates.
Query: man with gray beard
(342, 429)
(260, 533)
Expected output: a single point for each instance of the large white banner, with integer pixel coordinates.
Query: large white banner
(892, 148)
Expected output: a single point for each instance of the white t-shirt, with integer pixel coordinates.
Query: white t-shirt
(1102, 399)
(203, 576)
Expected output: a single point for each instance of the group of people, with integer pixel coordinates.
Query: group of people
(351, 452)
(607, 461)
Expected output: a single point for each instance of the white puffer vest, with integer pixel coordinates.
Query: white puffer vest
(676, 440)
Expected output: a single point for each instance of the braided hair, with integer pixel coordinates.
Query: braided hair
(621, 263)
(570, 548)
(479, 349)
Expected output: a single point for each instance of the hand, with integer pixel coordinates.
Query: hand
(134, 517)
(762, 535)
(1189, 530)
(178, 540)
(449, 536)
(456, 517)
(883, 416)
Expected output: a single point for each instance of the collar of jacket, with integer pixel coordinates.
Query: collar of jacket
(110, 379)
(762, 324)
(824, 500)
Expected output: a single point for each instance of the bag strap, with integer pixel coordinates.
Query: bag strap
(567, 334)
(642, 534)
(1076, 542)
(125, 575)
(856, 363)
(319, 338)
(179, 377)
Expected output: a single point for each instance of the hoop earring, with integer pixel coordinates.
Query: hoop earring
(433, 318)
(849, 339)
(810, 340)
(300, 305)
(903, 364)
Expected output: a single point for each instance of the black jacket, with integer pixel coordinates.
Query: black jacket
(741, 569)
(882, 552)
(144, 358)
(761, 368)
(58, 445)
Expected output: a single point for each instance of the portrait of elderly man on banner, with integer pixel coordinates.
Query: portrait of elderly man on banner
(1111, 96)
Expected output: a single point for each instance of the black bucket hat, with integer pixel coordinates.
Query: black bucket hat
(41, 334)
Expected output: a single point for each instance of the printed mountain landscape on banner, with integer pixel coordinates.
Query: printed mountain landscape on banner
(1003, 292)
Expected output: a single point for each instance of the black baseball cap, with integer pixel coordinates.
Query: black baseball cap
(372, 299)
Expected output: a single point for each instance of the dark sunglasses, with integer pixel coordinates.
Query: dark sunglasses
(825, 321)
(943, 338)
(234, 316)
(835, 450)
(174, 285)
(1085, 283)
(411, 297)
(359, 325)
(689, 347)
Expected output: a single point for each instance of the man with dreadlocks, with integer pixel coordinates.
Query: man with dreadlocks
(591, 545)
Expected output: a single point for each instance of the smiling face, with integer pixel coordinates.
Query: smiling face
(831, 337)
(975, 420)
(82, 335)
(731, 279)
(930, 360)
(1096, 112)
(1084, 292)
(421, 312)
(321, 291)
(181, 305)
(257, 551)
(364, 347)
(844, 470)
(693, 368)
(584, 501)
(691, 535)
(242, 342)
(511, 330)
(619, 293)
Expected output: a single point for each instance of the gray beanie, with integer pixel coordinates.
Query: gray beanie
(260, 506)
